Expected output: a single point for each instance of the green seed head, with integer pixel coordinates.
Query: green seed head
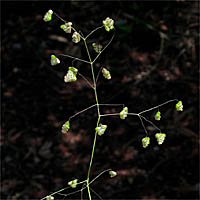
(145, 141)
(157, 116)
(160, 137)
(124, 113)
(48, 16)
(179, 106)
(65, 127)
(112, 174)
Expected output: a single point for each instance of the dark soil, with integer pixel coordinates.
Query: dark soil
(153, 58)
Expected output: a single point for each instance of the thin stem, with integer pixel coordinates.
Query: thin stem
(158, 106)
(85, 80)
(112, 114)
(97, 104)
(98, 74)
(74, 58)
(99, 175)
(151, 123)
(104, 47)
(143, 124)
(81, 111)
(96, 194)
(91, 159)
(57, 192)
(133, 114)
(59, 17)
(66, 22)
(94, 31)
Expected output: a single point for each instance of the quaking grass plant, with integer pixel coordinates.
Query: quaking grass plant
(71, 76)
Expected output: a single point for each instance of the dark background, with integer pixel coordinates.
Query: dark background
(153, 58)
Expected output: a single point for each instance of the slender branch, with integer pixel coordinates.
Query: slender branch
(59, 17)
(158, 106)
(94, 31)
(112, 114)
(143, 124)
(81, 111)
(74, 58)
(133, 114)
(151, 123)
(96, 194)
(57, 192)
(98, 74)
(86, 80)
(111, 105)
(99, 175)
(104, 47)
(83, 187)
(66, 22)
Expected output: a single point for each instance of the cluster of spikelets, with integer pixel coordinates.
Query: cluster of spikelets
(160, 137)
(71, 75)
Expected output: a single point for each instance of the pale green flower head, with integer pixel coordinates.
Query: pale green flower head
(73, 183)
(157, 116)
(48, 16)
(145, 141)
(65, 127)
(106, 73)
(108, 24)
(49, 197)
(97, 47)
(124, 113)
(71, 75)
(179, 106)
(76, 37)
(54, 60)
(112, 174)
(101, 129)
(160, 137)
(67, 27)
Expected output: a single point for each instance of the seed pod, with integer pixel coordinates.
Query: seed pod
(108, 24)
(48, 16)
(124, 113)
(76, 37)
(65, 127)
(73, 183)
(179, 106)
(160, 137)
(71, 75)
(158, 116)
(97, 47)
(101, 129)
(145, 141)
(67, 27)
(54, 60)
(106, 73)
(112, 174)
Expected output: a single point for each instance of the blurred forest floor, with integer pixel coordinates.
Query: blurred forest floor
(153, 58)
